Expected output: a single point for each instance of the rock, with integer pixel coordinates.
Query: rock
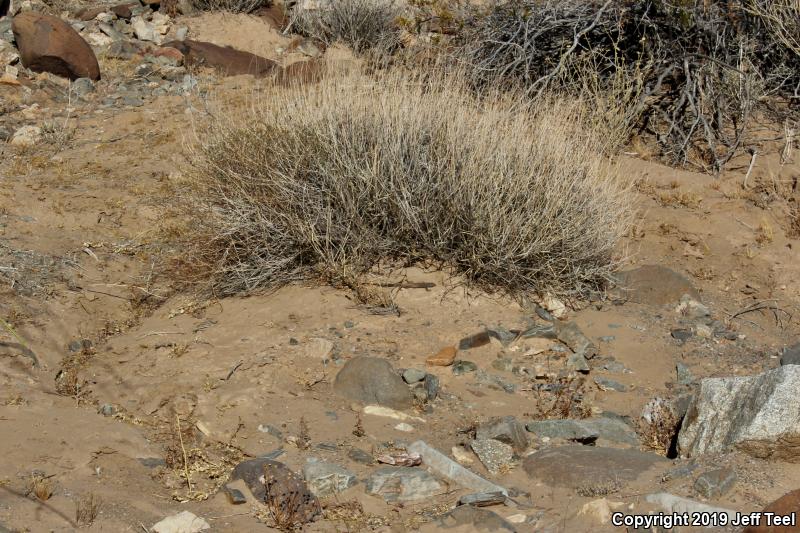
(268, 478)
(463, 367)
(235, 496)
(107, 409)
(791, 355)
(447, 468)
(183, 522)
(609, 384)
(111, 32)
(413, 375)
(402, 484)
(474, 341)
(461, 455)
(123, 11)
(586, 431)
(48, 44)
(227, 61)
(684, 375)
(379, 410)
(574, 430)
(471, 518)
(554, 306)
(503, 364)
(653, 285)
(374, 381)
(26, 136)
(600, 510)
(578, 363)
(143, 30)
(691, 308)
(160, 22)
(483, 499)
(507, 430)
(325, 479)
(496, 456)
(681, 334)
(431, 384)
(406, 428)
(360, 456)
(88, 13)
(122, 50)
(575, 466)
(675, 504)
(547, 331)
(571, 335)
(715, 483)
(443, 357)
(758, 414)
(181, 33)
(503, 335)
(82, 87)
(320, 348)
(785, 505)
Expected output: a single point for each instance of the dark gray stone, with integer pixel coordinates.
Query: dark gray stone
(684, 375)
(610, 384)
(681, 334)
(574, 430)
(571, 335)
(474, 341)
(360, 456)
(791, 355)
(373, 381)
(152, 462)
(482, 499)
(575, 466)
(503, 335)
(463, 367)
(578, 362)
(507, 430)
(715, 483)
(235, 496)
(431, 384)
(547, 331)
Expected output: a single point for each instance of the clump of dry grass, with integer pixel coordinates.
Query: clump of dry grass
(86, 509)
(330, 181)
(361, 24)
(231, 6)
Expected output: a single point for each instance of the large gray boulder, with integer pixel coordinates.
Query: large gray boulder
(373, 381)
(759, 415)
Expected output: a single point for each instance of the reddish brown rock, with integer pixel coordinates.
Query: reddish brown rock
(89, 13)
(48, 44)
(443, 357)
(123, 11)
(783, 506)
(228, 61)
(171, 53)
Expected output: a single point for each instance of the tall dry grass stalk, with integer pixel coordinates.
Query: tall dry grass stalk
(334, 179)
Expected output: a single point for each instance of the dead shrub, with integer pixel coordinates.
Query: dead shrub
(231, 6)
(703, 70)
(334, 180)
(361, 24)
(86, 509)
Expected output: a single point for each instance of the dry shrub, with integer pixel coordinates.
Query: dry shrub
(41, 486)
(561, 398)
(702, 70)
(361, 24)
(330, 181)
(86, 509)
(231, 6)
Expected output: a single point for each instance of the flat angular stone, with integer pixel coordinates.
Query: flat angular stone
(402, 484)
(496, 456)
(325, 479)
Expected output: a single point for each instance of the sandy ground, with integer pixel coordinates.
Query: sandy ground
(126, 365)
